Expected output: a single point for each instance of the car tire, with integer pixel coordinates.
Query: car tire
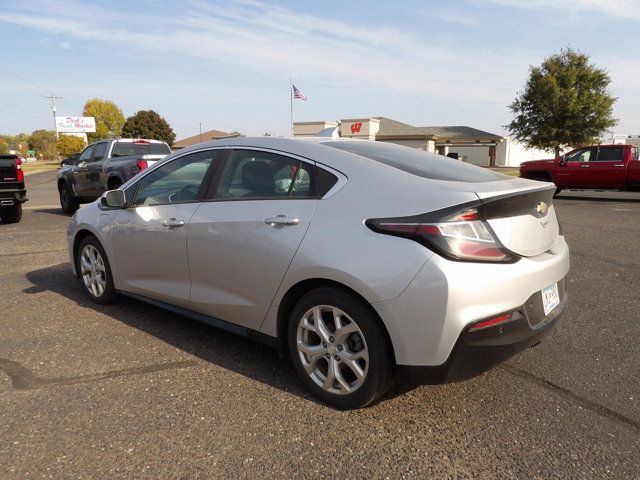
(94, 271)
(68, 202)
(12, 214)
(114, 184)
(347, 370)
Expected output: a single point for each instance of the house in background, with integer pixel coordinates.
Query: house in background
(203, 137)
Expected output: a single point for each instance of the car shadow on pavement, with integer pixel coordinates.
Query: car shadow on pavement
(224, 349)
(52, 211)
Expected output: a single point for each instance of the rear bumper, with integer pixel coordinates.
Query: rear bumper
(477, 351)
(12, 196)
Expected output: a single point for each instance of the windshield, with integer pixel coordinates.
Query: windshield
(124, 149)
(418, 162)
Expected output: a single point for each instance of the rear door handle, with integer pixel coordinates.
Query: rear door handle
(173, 223)
(584, 166)
(619, 165)
(281, 220)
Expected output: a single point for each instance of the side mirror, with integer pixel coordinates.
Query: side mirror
(563, 160)
(113, 199)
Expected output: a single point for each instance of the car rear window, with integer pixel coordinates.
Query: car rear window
(418, 162)
(124, 149)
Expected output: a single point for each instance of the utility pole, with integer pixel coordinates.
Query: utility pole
(200, 131)
(53, 99)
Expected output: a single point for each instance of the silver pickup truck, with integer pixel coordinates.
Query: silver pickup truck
(105, 165)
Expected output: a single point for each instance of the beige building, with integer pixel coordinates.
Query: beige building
(442, 140)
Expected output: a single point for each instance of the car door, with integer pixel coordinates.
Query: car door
(80, 172)
(94, 170)
(572, 173)
(608, 170)
(244, 236)
(150, 236)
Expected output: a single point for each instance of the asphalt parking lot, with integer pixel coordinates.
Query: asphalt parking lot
(131, 391)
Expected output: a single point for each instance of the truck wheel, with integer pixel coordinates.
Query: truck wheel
(68, 202)
(540, 177)
(12, 214)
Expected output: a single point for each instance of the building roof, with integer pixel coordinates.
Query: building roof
(205, 137)
(393, 128)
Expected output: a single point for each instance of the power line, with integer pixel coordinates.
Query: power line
(15, 74)
(22, 114)
(27, 84)
(17, 107)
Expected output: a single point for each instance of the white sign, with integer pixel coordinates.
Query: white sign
(75, 124)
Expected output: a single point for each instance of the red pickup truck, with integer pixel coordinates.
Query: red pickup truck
(592, 167)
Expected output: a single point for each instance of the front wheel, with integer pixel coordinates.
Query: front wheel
(340, 349)
(94, 271)
(12, 214)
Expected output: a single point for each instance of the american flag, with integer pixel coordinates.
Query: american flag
(298, 94)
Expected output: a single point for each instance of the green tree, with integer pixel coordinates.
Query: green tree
(4, 146)
(109, 118)
(43, 142)
(148, 124)
(565, 103)
(69, 144)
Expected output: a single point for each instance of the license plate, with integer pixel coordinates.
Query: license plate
(550, 298)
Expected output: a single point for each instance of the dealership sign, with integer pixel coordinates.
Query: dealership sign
(75, 124)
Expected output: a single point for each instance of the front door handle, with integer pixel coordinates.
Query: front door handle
(173, 223)
(584, 166)
(619, 165)
(281, 220)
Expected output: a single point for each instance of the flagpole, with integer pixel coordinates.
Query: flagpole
(291, 102)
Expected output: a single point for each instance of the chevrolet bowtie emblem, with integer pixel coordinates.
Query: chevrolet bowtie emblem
(542, 208)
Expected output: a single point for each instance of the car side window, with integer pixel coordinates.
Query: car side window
(100, 150)
(85, 156)
(253, 174)
(177, 181)
(584, 155)
(610, 154)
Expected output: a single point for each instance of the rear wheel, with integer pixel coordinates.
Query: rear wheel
(68, 202)
(12, 214)
(94, 271)
(339, 348)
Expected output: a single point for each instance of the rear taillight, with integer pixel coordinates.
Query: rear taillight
(19, 172)
(457, 234)
(142, 164)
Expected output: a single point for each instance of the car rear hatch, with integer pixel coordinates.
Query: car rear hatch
(521, 213)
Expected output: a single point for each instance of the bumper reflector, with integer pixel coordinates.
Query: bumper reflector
(490, 323)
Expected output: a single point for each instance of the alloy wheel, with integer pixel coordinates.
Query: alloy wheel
(93, 270)
(332, 349)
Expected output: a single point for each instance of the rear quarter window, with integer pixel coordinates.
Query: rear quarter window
(418, 162)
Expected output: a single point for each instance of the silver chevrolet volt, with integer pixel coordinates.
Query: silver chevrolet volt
(369, 262)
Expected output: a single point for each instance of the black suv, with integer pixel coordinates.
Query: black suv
(12, 191)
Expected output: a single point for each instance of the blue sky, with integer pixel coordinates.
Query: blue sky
(227, 63)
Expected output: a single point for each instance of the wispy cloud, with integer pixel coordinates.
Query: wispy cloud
(454, 17)
(279, 40)
(615, 8)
